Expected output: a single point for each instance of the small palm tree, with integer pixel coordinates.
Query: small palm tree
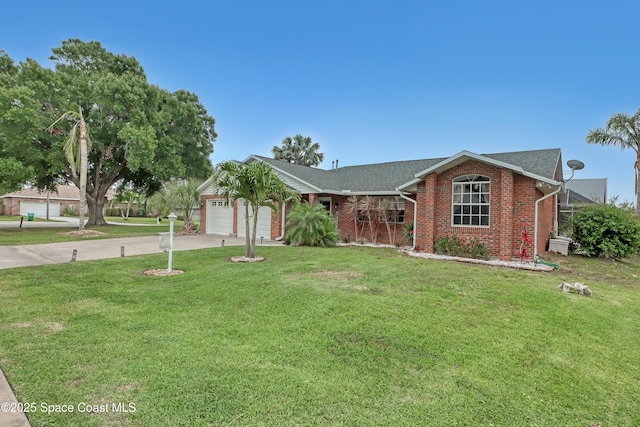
(129, 197)
(299, 150)
(622, 131)
(181, 196)
(258, 185)
(311, 226)
(354, 206)
(369, 206)
(77, 141)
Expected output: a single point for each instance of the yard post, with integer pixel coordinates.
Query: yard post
(172, 218)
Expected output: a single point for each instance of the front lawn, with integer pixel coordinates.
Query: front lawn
(344, 336)
(24, 217)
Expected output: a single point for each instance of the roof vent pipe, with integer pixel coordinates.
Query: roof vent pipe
(336, 163)
(333, 164)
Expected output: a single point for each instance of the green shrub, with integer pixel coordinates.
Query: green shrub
(311, 226)
(606, 230)
(454, 246)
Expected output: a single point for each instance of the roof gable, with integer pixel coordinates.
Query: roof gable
(542, 165)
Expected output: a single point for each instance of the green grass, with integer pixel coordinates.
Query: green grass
(345, 336)
(17, 218)
(137, 220)
(24, 236)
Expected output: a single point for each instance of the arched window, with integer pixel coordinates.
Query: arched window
(470, 201)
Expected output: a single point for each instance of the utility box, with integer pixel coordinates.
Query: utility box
(559, 246)
(165, 241)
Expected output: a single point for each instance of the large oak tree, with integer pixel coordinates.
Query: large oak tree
(142, 135)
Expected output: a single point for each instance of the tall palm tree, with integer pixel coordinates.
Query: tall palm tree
(299, 150)
(622, 131)
(258, 185)
(77, 140)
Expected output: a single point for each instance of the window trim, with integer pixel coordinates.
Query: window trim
(326, 199)
(483, 191)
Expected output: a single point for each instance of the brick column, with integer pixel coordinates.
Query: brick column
(425, 223)
(505, 214)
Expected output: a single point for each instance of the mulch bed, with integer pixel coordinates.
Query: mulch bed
(245, 259)
(162, 272)
(84, 233)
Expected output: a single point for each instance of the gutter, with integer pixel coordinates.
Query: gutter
(535, 220)
(415, 216)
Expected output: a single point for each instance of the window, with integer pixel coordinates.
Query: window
(326, 202)
(393, 207)
(470, 200)
(380, 207)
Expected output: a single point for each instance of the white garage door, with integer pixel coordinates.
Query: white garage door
(219, 218)
(264, 222)
(40, 208)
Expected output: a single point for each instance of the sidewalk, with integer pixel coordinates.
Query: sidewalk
(9, 417)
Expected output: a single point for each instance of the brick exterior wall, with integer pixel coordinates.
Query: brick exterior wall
(347, 227)
(512, 204)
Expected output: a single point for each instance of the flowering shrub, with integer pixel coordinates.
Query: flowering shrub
(524, 241)
(454, 246)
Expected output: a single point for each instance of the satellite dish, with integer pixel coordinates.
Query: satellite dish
(575, 165)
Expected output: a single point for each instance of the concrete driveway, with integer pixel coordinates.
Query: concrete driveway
(55, 253)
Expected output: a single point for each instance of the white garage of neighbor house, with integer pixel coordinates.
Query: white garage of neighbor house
(66, 199)
(216, 218)
(39, 208)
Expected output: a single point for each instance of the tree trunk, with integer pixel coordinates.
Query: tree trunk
(96, 206)
(83, 170)
(638, 185)
(253, 236)
(247, 236)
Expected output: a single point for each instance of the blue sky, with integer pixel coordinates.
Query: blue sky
(375, 81)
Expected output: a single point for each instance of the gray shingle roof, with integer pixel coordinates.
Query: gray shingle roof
(386, 177)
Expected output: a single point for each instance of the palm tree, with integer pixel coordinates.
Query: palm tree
(181, 196)
(311, 226)
(354, 206)
(77, 140)
(299, 150)
(129, 197)
(258, 185)
(622, 131)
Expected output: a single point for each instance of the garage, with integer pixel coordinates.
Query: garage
(219, 218)
(39, 208)
(264, 222)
